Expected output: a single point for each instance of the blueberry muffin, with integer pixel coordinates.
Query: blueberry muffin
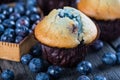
(105, 13)
(65, 34)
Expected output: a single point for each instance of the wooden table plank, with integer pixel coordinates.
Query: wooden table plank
(117, 72)
(27, 75)
(69, 74)
(17, 68)
(29, 72)
(110, 75)
(115, 43)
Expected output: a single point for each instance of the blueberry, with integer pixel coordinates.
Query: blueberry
(83, 77)
(36, 65)
(5, 13)
(18, 39)
(14, 16)
(28, 12)
(10, 10)
(42, 76)
(84, 67)
(109, 58)
(99, 77)
(31, 2)
(19, 8)
(3, 7)
(1, 29)
(7, 75)
(25, 59)
(118, 48)
(8, 23)
(9, 31)
(22, 31)
(2, 16)
(22, 22)
(7, 38)
(3, 38)
(97, 45)
(26, 18)
(36, 50)
(54, 71)
(34, 17)
(33, 26)
(30, 31)
(118, 57)
(31, 10)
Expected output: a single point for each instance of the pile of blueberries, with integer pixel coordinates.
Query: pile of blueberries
(7, 74)
(36, 64)
(16, 22)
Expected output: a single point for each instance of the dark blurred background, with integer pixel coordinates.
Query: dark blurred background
(46, 5)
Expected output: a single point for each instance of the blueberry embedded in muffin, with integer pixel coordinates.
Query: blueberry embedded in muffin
(64, 33)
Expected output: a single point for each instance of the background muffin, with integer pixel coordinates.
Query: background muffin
(105, 13)
(64, 34)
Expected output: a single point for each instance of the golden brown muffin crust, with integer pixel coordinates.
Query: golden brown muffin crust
(100, 9)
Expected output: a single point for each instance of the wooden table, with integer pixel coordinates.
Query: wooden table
(22, 72)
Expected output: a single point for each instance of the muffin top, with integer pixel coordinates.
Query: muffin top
(100, 9)
(66, 28)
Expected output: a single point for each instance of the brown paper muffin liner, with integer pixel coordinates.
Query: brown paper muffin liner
(64, 57)
(110, 30)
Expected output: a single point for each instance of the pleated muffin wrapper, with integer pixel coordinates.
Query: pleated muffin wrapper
(110, 29)
(64, 57)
